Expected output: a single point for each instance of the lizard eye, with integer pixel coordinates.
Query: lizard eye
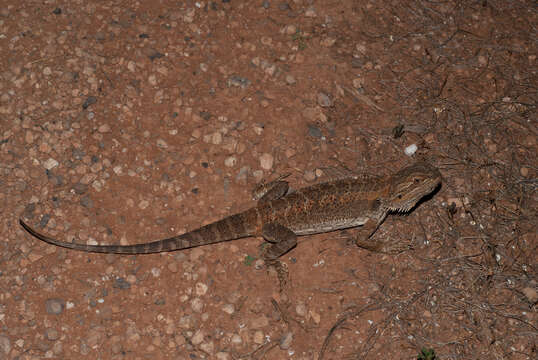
(417, 180)
(399, 196)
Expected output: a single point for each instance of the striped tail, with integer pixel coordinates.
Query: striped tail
(229, 228)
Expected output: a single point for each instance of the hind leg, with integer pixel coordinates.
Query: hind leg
(282, 240)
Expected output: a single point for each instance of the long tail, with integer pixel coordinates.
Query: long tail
(229, 228)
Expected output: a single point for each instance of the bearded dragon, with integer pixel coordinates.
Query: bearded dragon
(281, 215)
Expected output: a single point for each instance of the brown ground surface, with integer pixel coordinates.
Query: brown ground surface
(132, 121)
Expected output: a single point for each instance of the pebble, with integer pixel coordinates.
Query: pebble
(411, 149)
(290, 80)
(258, 129)
(80, 188)
(236, 339)
(29, 137)
(54, 306)
(180, 340)
(121, 283)
(118, 170)
(89, 101)
(105, 128)
(266, 161)
(286, 340)
(52, 334)
(98, 185)
(200, 289)
(300, 309)
(328, 41)
(143, 204)
(197, 305)
(310, 12)
(228, 309)
(230, 161)
(131, 65)
(314, 131)
(156, 272)
(198, 337)
(50, 164)
(290, 153)
(290, 29)
(314, 316)
(5, 344)
(216, 138)
(86, 202)
(324, 100)
(238, 81)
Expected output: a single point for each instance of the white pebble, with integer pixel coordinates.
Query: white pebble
(201, 288)
(50, 164)
(104, 128)
(266, 161)
(216, 138)
(230, 161)
(197, 305)
(143, 204)
(411, 149)
(156, 272)
(228, 308)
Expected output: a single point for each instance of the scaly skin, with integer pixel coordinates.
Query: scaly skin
(280, 216)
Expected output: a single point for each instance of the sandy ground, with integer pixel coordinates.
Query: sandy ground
(125, 122)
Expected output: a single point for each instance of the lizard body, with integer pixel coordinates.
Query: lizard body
(280, 216)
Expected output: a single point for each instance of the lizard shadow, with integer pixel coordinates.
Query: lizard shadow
(426, 197)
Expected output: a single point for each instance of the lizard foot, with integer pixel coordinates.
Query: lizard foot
(282, 272)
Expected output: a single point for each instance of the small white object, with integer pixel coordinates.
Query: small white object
(50, 164)
(411, 149)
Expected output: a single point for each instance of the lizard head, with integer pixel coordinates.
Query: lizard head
(411, 184)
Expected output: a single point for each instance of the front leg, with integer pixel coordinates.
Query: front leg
(282, 240)
(388, 247)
